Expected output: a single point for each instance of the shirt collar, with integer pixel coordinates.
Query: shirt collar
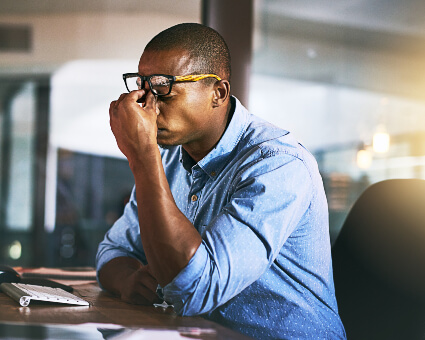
(217, 158)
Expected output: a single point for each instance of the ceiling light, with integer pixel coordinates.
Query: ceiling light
(381, 142)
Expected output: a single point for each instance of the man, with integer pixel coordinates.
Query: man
(231, 216)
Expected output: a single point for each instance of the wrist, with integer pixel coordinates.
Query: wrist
(145, 159)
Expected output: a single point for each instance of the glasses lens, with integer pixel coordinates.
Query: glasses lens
(160, 85)
(133, 83)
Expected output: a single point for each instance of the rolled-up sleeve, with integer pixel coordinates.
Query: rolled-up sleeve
(268, 201)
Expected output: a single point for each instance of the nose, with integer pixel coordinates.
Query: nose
(146, 86)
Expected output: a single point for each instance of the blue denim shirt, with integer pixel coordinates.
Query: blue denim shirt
(264, 265)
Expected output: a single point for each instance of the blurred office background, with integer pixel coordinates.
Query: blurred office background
(346, 77)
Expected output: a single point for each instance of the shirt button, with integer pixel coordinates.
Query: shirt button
(213, 173)
(194, 198)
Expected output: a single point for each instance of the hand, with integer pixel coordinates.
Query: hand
(129, 279)
(134, 124)
(140, 288)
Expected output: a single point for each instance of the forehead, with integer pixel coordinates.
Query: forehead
(172, 62)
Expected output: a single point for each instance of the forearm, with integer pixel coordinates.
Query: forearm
(114, 272)
(169, 238)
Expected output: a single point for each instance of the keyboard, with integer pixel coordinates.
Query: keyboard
(24, 293)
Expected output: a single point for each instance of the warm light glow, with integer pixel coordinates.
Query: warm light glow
(381, 142)
(15, 250)
(364, 159)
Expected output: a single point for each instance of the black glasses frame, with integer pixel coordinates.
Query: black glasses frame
(172, 79)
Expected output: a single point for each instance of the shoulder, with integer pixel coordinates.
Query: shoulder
(264, 140)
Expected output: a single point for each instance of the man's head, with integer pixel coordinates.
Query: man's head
(206, 47)
(193, 114)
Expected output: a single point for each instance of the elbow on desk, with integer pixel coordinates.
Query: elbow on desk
(190, 303)
(200, 287)
(188, 309)
(196, 303)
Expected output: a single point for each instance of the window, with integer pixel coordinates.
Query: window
(346, 78)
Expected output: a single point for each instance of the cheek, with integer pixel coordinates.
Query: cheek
(199, 105)
(173, 116)
(185, 109)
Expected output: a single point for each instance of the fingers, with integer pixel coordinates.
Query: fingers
(141, 288)
(142, 296)
(145, 99)
(147, 279)
(136, 96)
(114, 104)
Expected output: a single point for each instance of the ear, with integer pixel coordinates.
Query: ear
(221, 93)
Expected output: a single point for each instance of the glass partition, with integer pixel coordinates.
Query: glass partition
(63, 180)
(349, 84)
(17, 150)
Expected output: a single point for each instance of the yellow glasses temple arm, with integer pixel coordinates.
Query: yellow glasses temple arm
(196, 77)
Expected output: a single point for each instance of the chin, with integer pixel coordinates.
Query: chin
(167, 139)
(164, 144)
(166, 147)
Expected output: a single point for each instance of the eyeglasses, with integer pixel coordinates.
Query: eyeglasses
(160, 84)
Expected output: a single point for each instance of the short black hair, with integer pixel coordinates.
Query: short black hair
(204, 44)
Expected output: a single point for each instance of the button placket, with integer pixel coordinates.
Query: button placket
(195, 193)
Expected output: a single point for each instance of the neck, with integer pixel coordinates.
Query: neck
(197, 152)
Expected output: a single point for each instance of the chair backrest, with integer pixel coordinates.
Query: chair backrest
(379, 263)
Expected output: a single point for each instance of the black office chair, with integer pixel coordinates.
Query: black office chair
(379, 263)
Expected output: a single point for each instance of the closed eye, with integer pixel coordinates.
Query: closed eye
(165, 99)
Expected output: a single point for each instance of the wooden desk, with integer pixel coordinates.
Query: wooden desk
(105, 308)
